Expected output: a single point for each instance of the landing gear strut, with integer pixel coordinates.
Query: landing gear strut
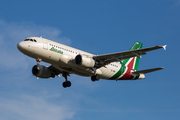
(38, 60)
(66, 83)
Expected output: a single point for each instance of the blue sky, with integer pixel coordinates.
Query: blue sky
(98, 27)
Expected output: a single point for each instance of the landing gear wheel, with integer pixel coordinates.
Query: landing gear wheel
(95, 78)
(66, 84)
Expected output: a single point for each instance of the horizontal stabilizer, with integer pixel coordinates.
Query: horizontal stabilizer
(147, 71)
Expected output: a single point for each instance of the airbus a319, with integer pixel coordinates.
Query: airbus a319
(66, 60)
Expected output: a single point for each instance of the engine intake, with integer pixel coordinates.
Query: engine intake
(84, 61)
(41, 71)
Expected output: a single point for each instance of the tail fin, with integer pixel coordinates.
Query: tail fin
(134, 61)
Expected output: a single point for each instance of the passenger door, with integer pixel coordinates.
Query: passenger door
(45, 45)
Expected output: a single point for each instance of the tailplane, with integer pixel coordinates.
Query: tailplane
(134, 61)
(148, 70)
(140, 74)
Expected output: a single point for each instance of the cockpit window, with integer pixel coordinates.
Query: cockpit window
(33, 40)
(26, 40)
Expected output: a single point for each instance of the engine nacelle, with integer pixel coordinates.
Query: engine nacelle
(41, 71)
(84, 61)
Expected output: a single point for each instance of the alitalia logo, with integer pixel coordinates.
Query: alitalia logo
(56, 50)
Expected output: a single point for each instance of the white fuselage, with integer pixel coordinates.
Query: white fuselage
(62, 57)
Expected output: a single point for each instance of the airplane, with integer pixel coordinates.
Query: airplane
(66, 60)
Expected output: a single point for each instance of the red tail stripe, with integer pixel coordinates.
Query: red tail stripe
(131, 63)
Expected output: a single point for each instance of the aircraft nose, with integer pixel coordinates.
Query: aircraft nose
(21, 46)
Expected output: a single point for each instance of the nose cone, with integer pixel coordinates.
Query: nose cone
(20, 46)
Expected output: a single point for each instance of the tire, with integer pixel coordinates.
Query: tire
(68, 84)
(64, 84)
(95, 78)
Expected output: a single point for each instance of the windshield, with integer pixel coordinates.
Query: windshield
(33, 40)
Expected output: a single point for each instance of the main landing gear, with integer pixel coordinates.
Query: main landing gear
(66, 83)
(95, 77)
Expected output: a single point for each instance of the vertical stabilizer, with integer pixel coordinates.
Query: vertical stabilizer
(134, 61)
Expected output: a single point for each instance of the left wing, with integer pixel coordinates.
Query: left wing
(108, 58)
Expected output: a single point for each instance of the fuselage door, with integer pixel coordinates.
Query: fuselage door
(45, 45)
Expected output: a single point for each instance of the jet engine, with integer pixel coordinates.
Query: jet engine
(84, 61)
(41, 71)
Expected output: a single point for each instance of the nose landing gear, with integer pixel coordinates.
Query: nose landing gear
(38, 60)
(64, 74)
